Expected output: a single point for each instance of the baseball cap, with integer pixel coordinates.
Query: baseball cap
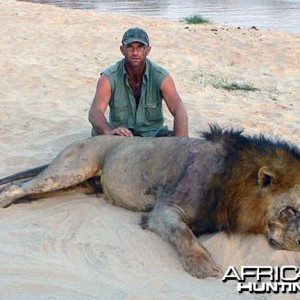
(135, 35)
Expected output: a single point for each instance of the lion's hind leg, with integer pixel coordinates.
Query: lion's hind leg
(167, 222)
(74, 165)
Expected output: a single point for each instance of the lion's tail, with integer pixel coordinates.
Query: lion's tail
(23, 175)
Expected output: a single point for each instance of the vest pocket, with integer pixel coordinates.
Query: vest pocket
(119, 113)
(153, 111)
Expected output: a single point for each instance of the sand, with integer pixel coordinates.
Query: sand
(79, 246)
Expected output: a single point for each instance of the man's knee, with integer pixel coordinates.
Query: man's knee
(95, 132)
(165, 132)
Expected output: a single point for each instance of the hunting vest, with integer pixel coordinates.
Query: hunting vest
(145, 119)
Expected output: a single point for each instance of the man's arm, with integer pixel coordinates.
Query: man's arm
(98, 108)
(175, 106)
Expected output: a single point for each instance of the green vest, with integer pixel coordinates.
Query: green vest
(146, 119)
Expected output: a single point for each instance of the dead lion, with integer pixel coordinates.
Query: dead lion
(188, 186)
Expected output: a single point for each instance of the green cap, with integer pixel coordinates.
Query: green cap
(135, 35)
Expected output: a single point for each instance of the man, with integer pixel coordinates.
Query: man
(134, 89)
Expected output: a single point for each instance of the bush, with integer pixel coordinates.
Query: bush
(196, 19)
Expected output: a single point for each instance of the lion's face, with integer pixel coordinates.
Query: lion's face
(284, 229)
(284, 224)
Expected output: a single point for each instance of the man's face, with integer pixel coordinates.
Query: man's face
(135, 53)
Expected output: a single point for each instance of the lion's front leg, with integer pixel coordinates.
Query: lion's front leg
(167, 222)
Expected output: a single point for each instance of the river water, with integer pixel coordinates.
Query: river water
(267, 14)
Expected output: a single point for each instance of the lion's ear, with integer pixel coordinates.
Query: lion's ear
(266, 177)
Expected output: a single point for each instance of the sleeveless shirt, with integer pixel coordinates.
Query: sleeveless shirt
(147, 118)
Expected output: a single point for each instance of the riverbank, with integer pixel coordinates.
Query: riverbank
(80, 247)
(270, 14)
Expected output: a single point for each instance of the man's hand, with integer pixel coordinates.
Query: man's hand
(121, 131)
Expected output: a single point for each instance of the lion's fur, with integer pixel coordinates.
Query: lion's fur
(236, 187)
(227, 181)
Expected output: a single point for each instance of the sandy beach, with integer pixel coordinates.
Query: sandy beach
(79, 246)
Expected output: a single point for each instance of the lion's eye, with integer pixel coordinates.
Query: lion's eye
(299, 242)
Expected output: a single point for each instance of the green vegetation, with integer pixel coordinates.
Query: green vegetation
(196, 19)
(219, 81)
(223, 83)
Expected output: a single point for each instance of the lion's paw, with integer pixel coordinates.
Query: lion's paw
(201, 266)
(7, 196)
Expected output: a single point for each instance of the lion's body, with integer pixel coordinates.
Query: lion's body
(224, 182)
(138, 172)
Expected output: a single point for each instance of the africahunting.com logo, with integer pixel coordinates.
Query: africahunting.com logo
(265, 279)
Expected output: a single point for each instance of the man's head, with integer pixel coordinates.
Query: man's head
(135, 46)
